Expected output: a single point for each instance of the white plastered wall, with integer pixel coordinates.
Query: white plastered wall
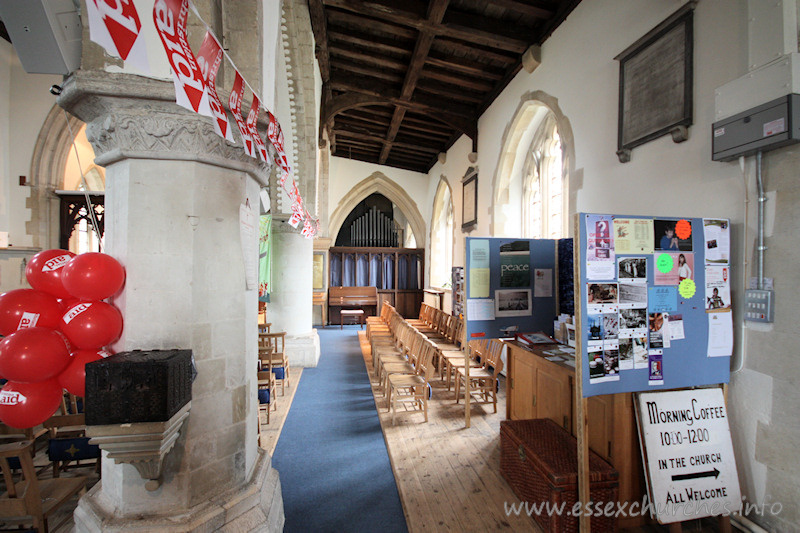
(662, 179)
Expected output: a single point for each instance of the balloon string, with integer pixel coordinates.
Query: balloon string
(89, 205)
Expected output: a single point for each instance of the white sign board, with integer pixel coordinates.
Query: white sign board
(686, 441)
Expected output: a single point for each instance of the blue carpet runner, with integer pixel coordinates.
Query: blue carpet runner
(331, 456)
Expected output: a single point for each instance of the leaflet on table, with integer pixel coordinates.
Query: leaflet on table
(720, 334)
(600, 263)
(480, 308)
(633, 235)
(718, 289)
(632, 269)
(717, 236)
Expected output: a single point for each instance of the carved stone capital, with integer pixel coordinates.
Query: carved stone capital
(131, 117)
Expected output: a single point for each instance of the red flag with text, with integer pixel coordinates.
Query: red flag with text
(115, 25)
(208, 59)
(235, 103)
(252, 126)
(190, 91)
(275, 135)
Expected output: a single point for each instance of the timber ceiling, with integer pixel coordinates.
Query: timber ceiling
(404, 79)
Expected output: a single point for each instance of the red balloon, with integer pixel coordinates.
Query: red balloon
(93, 276)
(44, 271)
(91, 325)
(24, 405)
(73, 378)
(27, 308)
(32, 355)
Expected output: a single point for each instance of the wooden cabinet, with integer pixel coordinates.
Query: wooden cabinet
(538, 388)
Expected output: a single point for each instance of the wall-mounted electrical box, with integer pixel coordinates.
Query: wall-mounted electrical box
(759, 305)
(762, 128)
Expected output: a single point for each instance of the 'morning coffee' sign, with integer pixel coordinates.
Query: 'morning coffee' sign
(691, 470)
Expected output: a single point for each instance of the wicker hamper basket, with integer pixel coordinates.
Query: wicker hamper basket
(539, 460)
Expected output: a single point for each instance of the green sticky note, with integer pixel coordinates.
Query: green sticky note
(687, 288)
(665, 263)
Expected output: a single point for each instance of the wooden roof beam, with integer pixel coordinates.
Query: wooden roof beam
(463, 26)
(540, 10)
(435, 14)
(370, 42)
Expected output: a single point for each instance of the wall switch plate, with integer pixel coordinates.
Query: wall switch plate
(759, 305)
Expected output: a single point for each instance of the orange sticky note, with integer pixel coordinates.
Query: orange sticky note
(683, 229)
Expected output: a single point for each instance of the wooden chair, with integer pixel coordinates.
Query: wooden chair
(30, 496)
(452, 360)
(265, 383)
(277, 354)
(406, 363)
(411, 390)
(482, 382)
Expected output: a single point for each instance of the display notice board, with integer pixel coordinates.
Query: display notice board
(655, 303)
(686, 444)
(510, 285)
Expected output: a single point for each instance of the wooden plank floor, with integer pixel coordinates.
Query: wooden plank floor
(269, 433)
(448, 476)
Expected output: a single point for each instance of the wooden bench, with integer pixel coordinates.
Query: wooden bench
(341, 299)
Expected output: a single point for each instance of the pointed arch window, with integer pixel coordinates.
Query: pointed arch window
(543, 214)
(442, 236)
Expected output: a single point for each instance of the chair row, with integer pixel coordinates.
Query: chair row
(398, 345)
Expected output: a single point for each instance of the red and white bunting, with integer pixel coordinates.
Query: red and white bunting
(275, 135)
(295, 219)
(252, 126)
(308, 229)
(209, 59)
(115, 25)
(235, 103)
(170, 19)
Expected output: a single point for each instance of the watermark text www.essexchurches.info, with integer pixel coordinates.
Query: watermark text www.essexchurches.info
(643, 508)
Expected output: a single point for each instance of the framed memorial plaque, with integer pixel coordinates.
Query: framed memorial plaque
(469, 199)
(655, 84)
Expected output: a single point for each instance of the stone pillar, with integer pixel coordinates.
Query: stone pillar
(289, 309)
(173, 191)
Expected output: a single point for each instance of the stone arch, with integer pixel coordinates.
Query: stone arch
(380, 183)
(516, 136)
(49, 159)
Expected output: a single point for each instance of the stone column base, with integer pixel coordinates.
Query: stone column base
(303, 350)
(256, 506)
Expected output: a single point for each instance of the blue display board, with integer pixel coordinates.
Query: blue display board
(649, 291)
(501, 276)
